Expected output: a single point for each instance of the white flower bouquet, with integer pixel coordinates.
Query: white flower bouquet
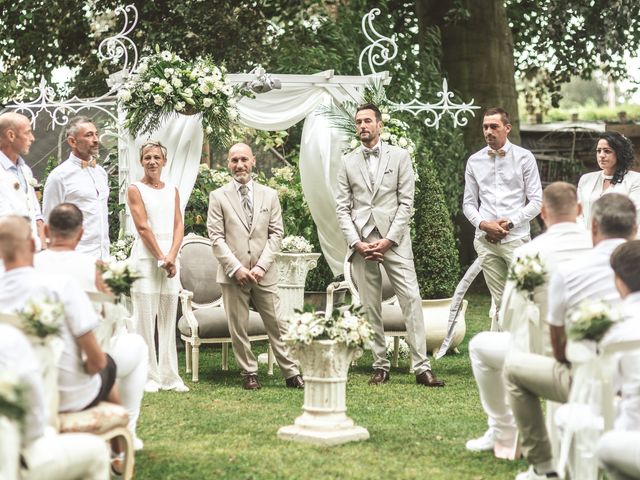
(403, 347)
(42, 318)
(528, 272)
(12, 403)
(590, 320)
(121, 248)
(348, 326)
(119, 275)
(295, 244)
(164, 84)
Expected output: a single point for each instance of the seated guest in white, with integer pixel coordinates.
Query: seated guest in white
(564, 240)
(47, 455)
(64, 231)
(530, 377)
(619, 449)
(86, 375)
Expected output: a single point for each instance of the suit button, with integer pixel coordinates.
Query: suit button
(249, 251)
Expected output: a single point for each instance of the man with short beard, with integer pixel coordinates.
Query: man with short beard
(81, 181)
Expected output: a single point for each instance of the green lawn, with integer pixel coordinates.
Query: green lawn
(218, 430)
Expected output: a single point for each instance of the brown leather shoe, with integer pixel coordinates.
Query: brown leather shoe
(295, 382)
(250, 382)
(428, 379)
(379, 376)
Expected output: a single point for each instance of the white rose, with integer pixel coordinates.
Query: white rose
(168, 89)
(403, 142)
(233, 114)
(142, 68)
(209, 129)
(158, 100)
(386, 117)
(207, 102)
(163, 83)
(204, 88)
(179, 106)
(146, 87)
(385, 136)
(176, 82)
(232, 102)
(124, 95)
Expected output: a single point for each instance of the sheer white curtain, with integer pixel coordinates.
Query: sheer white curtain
(320, 153)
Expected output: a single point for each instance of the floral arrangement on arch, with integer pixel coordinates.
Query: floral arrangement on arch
(12, 403)
(347, 325)
(591, 320)
(42, 318)
(528, 272)
(164, 84)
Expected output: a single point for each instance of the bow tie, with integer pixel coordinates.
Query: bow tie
(370, 151)
(499, 153)
(88, 163)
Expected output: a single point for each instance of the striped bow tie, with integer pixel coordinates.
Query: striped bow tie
(499, 153)
(89, 163)
(371, 151)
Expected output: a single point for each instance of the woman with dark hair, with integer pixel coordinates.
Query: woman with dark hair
(614, 153)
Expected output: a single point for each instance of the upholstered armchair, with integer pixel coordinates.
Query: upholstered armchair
(203, 317)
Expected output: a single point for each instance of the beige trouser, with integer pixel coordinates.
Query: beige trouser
(619, 454)
(402, 275)
(68, 456)
(266, 302)
(528, 378)
(496, 259)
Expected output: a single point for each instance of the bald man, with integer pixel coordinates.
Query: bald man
(17, 196)
(245, 225)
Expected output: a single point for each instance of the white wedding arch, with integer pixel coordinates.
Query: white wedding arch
(298, 99)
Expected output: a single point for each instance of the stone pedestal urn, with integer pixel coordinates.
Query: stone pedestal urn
(324, 421)
(292, 274)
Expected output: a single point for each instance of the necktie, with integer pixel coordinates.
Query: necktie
(89, 163)
(246, 204)
(499, 153)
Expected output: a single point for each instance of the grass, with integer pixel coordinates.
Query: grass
(219, 430)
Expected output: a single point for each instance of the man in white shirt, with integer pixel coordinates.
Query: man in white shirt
(86, 375)
(619, 449)
(47, 455)
(530, 377)
(17, 195)
(502, 194)
(563, 241)
(79, 180)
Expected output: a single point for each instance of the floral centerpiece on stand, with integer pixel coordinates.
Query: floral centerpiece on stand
(325, 345)
(591, 320)
(528, 272)
(164, 84)
(295, 244)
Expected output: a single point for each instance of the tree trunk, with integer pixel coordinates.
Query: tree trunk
(477, 57)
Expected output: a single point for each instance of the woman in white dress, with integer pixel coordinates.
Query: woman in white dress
(614, 153)
(155, 209)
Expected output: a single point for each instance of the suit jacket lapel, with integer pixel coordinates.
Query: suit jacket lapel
(364, 168)
(258, 198)
(382, 166)
(232, 195)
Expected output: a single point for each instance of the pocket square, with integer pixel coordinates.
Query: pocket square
(264, 210)
(388, 171)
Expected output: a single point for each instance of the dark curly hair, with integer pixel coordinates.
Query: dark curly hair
(624, 153)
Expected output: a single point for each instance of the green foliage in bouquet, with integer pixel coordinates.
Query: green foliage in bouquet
(590, 320)
(12, 393)
(42, 318)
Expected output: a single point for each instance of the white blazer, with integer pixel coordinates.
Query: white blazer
(591, 182)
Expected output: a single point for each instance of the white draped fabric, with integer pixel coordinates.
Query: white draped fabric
(320, 153)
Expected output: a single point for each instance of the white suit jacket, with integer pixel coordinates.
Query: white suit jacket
(234, 242)
(388, 202)
(630, 186)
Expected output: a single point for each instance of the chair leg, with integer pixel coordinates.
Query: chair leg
(270, 359)
(187, 346)
(396, 351)
(129, 452)
(225, 357)
(195, 361)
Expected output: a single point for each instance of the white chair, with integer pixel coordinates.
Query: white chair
(203, 317)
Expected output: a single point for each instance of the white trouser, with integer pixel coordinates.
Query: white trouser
(619, 454)
(69, 456)
(487, 351)
(131, 356)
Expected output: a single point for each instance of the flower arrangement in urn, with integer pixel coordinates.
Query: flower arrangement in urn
(528, 272)
(121, 248)
(295, 244)
(42, 318)
(591, 320)
(164, 84)
(346, 325)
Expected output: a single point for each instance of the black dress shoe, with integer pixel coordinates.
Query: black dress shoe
(428, 379)
(379, 376)
(295, 382)
(250, 382)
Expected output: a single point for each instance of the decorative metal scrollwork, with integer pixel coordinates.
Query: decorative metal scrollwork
(377, 53)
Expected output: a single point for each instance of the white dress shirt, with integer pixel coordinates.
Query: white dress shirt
(373, 160)
(88, 189)
(17, 356)
(250, 195)
(627, 374)
(589, 277)
(79, 266)
(77, 388)
(502, 187)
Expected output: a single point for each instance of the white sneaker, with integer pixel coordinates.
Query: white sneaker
(137, 444)
(151, 386)
(176, 387)
(532, 475)
(482, 444)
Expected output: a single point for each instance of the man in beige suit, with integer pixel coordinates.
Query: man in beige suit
(374, 199)
(245, 225)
